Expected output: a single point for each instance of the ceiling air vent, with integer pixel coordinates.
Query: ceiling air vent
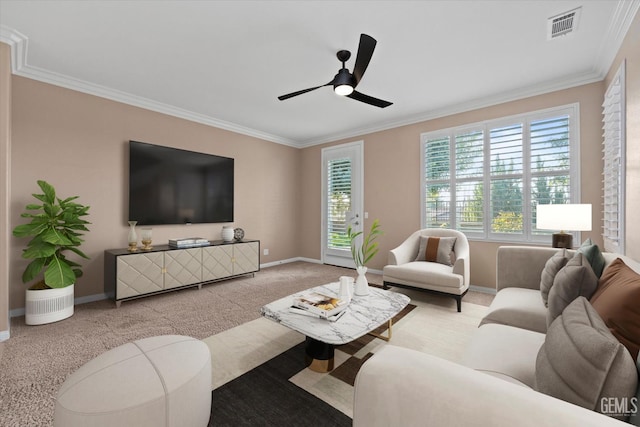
(563, 24)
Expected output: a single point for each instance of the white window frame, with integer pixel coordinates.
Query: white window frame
(614, 150)
(527, 236)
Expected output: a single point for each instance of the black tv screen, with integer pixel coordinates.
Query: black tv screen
(172, 186)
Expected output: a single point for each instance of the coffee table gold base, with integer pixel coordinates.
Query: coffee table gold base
(318, 355)
(382, 337)
(319, 365)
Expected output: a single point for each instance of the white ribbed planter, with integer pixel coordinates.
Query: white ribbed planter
(48, 305)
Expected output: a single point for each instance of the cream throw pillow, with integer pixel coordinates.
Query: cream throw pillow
(436, 249)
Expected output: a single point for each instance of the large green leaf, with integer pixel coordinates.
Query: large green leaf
(33, 269)
(39, 250)
(59, 274)
(48, 190)
(55, 237)
(26, 230)
(77, 251)
(33, 207)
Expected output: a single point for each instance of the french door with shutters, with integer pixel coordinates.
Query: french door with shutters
(342, 200)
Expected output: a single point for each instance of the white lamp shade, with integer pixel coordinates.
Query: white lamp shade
(571, 217)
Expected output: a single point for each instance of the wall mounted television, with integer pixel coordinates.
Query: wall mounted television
(173, 186)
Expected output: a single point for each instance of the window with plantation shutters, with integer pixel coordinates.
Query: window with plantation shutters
(487, 179)
(613, 111)
(338, 202)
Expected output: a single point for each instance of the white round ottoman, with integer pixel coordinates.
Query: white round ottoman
(157, 381)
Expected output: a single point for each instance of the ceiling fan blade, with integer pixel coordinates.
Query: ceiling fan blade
(369, 99)
(365, 52)
(300, 92)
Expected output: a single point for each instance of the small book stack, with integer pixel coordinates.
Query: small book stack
(322, 305)
(190, 242)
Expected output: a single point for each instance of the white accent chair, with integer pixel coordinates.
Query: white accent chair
(405, 272)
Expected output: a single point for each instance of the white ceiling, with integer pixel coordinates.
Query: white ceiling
(225, 62)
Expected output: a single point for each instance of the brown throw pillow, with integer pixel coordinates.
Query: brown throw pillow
(574, 280)
(617, 301)
(581, 362)
(436, 249)
(551, 269)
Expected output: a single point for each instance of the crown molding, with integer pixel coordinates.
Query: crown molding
(614, 37)
(484, 102)
(618, 27)
(19, 45)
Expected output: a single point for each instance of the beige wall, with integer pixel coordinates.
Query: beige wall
(630, 50)
(5, 151)
(392, 175)
(78, 143)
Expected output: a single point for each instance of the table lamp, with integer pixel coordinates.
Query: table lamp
(572, 217)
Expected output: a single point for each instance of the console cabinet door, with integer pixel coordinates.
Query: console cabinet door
(139, 274)
(246, 257)
(217, 262)
(182, 267)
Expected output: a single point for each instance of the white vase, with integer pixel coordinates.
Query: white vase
(48, 305)
(133, 237)
(227, 233)
(362, 285)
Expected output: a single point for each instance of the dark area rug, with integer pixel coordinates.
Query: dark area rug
(265, 397)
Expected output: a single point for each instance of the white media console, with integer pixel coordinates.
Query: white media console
(130, 275)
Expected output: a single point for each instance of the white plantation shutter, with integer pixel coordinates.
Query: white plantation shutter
(338, 202)
(487, 179)
(469, 194)
(550, 164)
(437, 196)
(613, 111)
(506, 147)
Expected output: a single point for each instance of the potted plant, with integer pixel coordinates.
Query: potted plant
(56, 227)
(363, 254)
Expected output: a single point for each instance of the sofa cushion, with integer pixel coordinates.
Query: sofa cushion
(519, 307)
(573, 280)
(594, 256)
(422, 273)
(504, 352)
(581, 362)
(551, 269)
(617, 301)
(436, 249)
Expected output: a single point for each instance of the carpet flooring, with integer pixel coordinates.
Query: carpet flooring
(35, 361)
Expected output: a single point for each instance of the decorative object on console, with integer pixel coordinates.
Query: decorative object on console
(189, 242)
(363, 254)
(133, 237)
(55, 227)
(238, 234)
(227, 233)
(146, 239)
(573, 217)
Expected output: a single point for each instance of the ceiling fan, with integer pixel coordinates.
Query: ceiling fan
(344, 83)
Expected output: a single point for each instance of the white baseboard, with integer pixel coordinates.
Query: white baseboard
(4, 335)
(80, 300)
(290, 260)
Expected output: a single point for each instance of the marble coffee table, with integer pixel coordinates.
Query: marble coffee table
(364, 314)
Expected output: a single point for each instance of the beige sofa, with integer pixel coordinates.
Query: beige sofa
(496, 385)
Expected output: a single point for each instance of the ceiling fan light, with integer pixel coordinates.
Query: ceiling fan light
(343, 90)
